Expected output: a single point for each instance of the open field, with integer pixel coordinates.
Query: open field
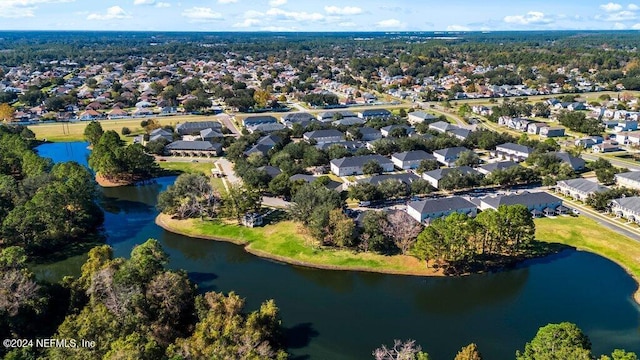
(586, 234)
(285, 241)
(74, 131)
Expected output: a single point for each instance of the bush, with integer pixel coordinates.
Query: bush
(125, 131)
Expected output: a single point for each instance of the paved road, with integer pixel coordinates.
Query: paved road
(618, 227)
(227, 168)
(615, 162)
(228, 123)
(232, 178)
(438, 109)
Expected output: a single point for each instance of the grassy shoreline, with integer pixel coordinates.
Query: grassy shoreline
(586, 234)
(287, 243)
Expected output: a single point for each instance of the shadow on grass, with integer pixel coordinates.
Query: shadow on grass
(276, 216)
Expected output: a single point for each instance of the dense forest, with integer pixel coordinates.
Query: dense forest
(43, 207)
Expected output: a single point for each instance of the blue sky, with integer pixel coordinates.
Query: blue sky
(310, 15)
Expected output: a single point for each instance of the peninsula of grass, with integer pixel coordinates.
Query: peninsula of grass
(286, 242)
(586, 234)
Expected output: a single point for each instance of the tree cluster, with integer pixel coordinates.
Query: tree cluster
(114, 161)
(458, 242)
(577, 121)
(42, 206)
(190, 196)
(552, 341)
(137, 309)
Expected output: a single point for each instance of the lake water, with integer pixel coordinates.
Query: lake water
(345, 315)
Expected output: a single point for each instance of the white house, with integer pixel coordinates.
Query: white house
(353, 165)
(579, 189)
(410, 159)
(449, 156)
(628, 208)
(512, 151)
(537, 202)
(324, 136)
(629, 179)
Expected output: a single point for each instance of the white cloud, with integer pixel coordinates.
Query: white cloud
(227, 1)
(347, 10)
(24, 8)
(633, 7)
(611, 7)
(293, 15)
(163, 5)
(531, 18)
(252, 14)
(458, 28)
(347, 24)
(277, 2)
(201, 14)
(247, 23)
(113, 13)
(624, 15)
(143, 2)
(636, 26)
(619, 26)
(390, 24)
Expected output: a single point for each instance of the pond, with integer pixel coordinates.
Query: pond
(345, 315)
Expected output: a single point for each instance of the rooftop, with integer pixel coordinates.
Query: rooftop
(441, 205)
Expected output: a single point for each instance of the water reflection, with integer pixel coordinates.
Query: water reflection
(468, 293)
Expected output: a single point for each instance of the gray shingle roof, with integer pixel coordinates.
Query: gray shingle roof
(359, 160)
(631, 175)
(515, 147)
(423, 115)
(526, 199)
(502, 165)
(407, 178)
(189, 127)
(323, 134)
(193, 146)
(450, 153)
(583, 185)
(263, 119)
(442, 126)
(631, 203)
(413, 155)
(438, 174)
(376, 112)
(329, 114)
(298, 117)
(441, 205)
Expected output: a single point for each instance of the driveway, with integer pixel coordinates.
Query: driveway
(227, 169)
(225, 119)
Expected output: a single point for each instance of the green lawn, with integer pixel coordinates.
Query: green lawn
(285, 241)
(74, 131)
(586, 234)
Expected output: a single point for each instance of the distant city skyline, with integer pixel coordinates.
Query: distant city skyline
(330, 15)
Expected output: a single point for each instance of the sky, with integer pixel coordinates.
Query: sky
(311, 15)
